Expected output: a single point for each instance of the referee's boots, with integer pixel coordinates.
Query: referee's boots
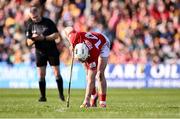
(42, 88)
(62, 97)
(59, 82)
(42, 99)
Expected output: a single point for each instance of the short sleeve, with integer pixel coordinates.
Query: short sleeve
(52, 27)
(28, 30)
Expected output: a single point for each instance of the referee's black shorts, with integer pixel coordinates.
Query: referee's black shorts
(43, 57)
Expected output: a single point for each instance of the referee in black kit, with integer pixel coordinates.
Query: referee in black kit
(43, 33)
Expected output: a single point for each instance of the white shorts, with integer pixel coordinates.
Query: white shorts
(105, 50)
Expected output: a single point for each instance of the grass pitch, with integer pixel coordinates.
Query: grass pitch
(121, 103)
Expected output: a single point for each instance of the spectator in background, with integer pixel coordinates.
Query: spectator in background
(155, 21)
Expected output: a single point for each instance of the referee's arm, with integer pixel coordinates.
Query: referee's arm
(29, 42)
(28, 34)
(55, 36)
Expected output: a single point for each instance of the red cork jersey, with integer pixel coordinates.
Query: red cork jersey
(94, 42)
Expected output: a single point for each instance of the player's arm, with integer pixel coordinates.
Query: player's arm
(66, 36)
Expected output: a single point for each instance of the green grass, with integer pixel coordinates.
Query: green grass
(153, 103)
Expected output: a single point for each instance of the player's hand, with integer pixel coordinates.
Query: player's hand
(38, 37)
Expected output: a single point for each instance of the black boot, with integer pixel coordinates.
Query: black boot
(59, 82)
(42, 89)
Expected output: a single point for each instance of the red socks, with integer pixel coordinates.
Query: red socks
(102, 97)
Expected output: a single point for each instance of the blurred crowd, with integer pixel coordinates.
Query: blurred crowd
(140, 31)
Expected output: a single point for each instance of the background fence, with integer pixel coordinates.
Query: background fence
(121, 76)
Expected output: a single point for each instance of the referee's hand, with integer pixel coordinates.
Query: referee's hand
(38, 37)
